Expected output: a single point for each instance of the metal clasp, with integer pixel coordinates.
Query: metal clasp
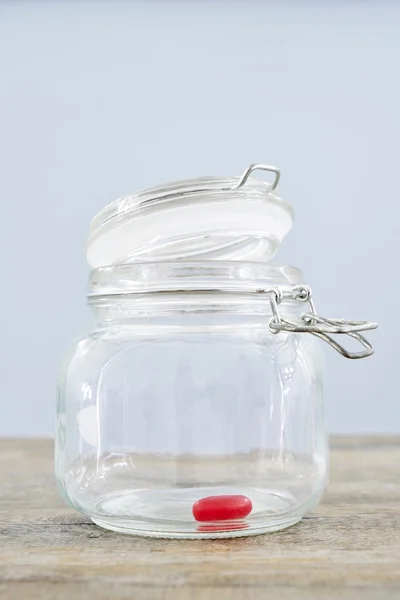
(311, 322)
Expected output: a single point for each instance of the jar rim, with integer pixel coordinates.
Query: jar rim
(194, 276)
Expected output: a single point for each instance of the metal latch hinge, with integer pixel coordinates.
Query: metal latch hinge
(311, 322)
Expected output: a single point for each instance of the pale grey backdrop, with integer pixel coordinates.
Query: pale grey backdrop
(100, 98)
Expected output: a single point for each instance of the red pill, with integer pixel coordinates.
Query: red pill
(222, 508)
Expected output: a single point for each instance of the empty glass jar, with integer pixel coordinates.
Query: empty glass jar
(193, 408)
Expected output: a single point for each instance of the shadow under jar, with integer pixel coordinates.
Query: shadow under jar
(193, 408)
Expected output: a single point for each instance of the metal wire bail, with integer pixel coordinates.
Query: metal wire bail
(310, 322)
(256, 167)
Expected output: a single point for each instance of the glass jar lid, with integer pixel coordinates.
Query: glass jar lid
(211, 218)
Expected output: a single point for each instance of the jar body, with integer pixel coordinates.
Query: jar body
(158, 411)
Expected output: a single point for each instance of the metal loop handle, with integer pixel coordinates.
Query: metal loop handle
(256, 167)
(321, 327)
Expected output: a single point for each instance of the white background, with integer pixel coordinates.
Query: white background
(98, 99)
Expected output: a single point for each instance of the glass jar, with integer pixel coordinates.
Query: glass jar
(193, 408)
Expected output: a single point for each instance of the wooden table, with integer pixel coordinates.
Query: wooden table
(348, 548)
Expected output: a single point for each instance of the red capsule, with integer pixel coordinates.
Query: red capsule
(222, 508)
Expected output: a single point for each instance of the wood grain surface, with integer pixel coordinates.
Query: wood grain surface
(348, 548)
